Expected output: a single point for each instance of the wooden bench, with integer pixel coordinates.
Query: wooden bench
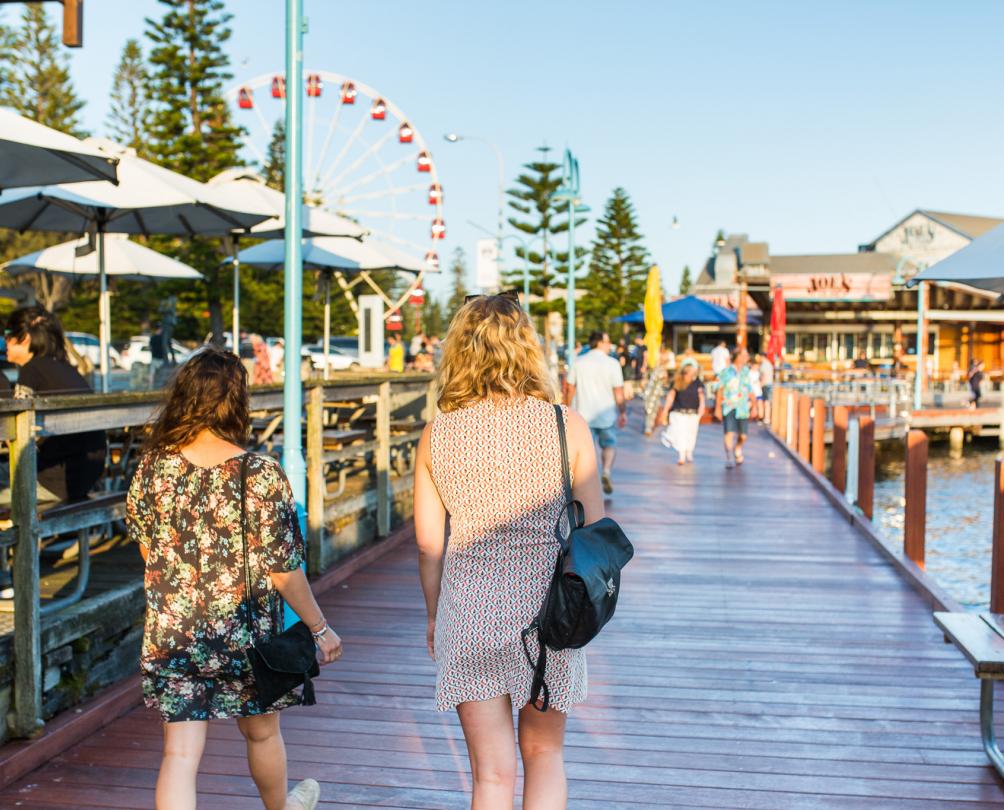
(980, 637)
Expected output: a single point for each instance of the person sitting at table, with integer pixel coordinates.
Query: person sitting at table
(68, 466)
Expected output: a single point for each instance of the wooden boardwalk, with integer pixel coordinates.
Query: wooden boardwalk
(763, 656)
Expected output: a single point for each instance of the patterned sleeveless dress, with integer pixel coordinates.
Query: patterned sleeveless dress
(497, 467)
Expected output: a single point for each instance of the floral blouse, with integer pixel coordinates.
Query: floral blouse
(189, 519)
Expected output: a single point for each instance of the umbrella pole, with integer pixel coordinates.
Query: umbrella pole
(236, 312)
(104, 311)
(327, 322)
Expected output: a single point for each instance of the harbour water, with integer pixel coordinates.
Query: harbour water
(959, 515)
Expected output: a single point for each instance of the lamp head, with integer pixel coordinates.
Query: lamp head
(452, 137)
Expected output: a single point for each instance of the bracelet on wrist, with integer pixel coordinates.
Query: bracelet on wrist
(319, 625)
(320, 633)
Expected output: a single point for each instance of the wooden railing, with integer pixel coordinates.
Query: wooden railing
(359, 429)
(801, 422)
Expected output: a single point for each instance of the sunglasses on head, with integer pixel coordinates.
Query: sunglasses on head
(512, 295)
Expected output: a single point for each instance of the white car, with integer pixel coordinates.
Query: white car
(338, 359)
(89, 346)
(137, 350)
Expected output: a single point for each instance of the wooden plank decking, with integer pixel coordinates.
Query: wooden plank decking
(763, 656)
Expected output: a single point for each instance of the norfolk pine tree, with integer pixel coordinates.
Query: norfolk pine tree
(274, 168)
(685, 281)
(458, 274)
(129, 115)
(618, 267)
(190, 124)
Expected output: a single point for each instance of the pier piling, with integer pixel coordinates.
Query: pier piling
(914, 527)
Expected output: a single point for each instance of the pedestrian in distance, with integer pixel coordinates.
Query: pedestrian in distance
(766, 386)
(199, 506)
(734, 401)
(395, 355)
(655, 386)
(719, 358)
(596, 390)
(490, 464)
(975, 383)
(685, 404)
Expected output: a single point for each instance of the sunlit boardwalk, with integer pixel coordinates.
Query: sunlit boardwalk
(763, 656)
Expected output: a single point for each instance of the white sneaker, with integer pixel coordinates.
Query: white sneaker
(304, 796)
(664, 438)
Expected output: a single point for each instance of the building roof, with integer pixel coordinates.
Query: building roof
(833, 263)
(968, 225)
(754, 253)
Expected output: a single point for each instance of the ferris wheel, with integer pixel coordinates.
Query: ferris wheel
(363, 159)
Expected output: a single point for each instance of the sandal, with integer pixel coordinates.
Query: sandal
(304, 796)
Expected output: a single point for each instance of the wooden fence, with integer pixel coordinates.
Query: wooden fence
(361, 433)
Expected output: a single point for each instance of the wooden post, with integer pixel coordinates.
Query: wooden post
(73, 23)
(866, 465)
(781, 411)
(316, 488)
(775, 397)
(383, 460)
(916, 496)
(804, 425)
(997, 561)
(792, 408)
(838, 450)
(27, 720)
(819, 436)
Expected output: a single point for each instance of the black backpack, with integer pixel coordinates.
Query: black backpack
(583, 592)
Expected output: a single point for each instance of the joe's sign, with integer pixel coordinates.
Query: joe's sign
(834, 286)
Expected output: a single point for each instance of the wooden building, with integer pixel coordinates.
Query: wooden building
(840, 306)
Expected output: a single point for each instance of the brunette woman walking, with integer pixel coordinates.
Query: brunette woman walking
(184, 510)
(491, 462)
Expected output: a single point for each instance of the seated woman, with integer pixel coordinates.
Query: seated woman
(68, 466)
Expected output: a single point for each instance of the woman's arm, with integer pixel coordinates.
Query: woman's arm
(295, 589)
(670, 399)
(701, 399)
(430, 533)
(582, 459)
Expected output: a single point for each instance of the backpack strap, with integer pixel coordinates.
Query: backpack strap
(537, 686)
(574, 510)
(248, 598)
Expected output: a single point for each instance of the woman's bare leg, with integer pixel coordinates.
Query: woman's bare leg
(541, 744)
(183, 746)
(266, 757)
(491, 746)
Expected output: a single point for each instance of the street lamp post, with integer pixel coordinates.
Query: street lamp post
(453, 137)
(569, 192)
(292, 451)
(526, 257)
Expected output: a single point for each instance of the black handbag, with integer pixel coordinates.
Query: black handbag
(585, 584)
(286, 660)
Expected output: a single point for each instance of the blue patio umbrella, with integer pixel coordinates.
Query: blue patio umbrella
(691, 311)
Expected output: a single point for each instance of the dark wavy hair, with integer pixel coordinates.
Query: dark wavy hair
(42, 327)
(209, 392)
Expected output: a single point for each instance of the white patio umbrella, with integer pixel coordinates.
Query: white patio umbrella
(251, 187)
(32, 154)
(979, 264)
(123, 259)
(148, 200)
(338, 256)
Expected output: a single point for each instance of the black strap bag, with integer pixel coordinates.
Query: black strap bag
(583, 592)
(286, 660)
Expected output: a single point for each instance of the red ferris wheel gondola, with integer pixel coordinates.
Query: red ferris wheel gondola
(405, 134)
(244, 98)
(348, 93)
(417, 297)
(438, 228)
(432, 260)
(378, 112)
(435, 194)
(395, 323)
(314, 86)
(424, 162)
(278, 87)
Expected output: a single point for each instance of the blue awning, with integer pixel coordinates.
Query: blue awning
(691, 310)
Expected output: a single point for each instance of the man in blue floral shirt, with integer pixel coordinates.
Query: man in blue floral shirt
(734, 399)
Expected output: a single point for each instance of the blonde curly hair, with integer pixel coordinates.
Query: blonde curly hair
(491, 351)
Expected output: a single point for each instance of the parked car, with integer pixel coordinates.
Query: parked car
(338, 359)
(137, 350)
(89, 346)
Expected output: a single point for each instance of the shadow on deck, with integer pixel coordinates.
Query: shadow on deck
(763, 656)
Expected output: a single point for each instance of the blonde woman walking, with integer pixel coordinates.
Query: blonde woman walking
(684, 406)
(491, 462)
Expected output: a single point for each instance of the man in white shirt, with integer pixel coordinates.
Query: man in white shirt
(720, 358)
(596, 391)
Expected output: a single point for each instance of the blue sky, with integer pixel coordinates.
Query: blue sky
(812, 125)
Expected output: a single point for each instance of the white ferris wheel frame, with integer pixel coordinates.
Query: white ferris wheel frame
(314, 183)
